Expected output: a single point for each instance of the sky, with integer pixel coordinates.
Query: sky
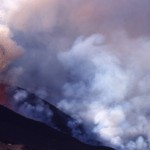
(90, 58)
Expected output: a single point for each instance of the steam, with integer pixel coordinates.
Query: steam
(107, 92)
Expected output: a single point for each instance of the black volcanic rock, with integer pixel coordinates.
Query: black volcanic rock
(33, 107)
(58, 120)
(8, 146)
(17, 129)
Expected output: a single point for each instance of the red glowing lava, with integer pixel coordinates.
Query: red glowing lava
(4, 100)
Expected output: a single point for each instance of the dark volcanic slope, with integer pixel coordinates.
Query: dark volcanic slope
(15, 128)
(33, 107)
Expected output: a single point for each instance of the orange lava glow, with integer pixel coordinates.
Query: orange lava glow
(3, 96)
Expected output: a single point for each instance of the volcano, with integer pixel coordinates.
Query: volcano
(33, 132)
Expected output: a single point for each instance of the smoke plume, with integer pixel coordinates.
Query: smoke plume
(89, 58)
(9, 49)
(109, 92)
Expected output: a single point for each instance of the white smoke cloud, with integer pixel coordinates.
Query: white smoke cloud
(46, 27)
(106, 79)
(108, 91)
(32, 108)
(7, 7)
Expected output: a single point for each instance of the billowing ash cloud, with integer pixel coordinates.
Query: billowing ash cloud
(44, 28)
(9, 49)
(108, 92)
(103, 79)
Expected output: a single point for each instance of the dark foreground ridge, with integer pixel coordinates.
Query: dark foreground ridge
(16, 129)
